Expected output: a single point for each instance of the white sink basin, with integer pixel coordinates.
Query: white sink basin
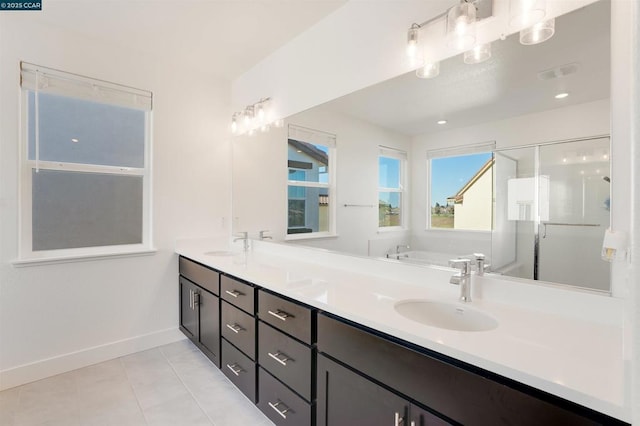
(446, 315)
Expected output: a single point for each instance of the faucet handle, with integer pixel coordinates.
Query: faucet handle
(480, 265)
(462, 264)
(264, 236)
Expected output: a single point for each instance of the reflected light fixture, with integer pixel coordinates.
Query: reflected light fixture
(538, 33)
(525, 13)
(442, 121)
(480, 53)
(461, 26)
(234, 123)
(429, 70)
(412, 41)
(561, 95)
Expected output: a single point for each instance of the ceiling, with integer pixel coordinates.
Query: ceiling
(505, 86)
(222, 37)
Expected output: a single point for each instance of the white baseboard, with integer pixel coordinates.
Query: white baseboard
(42, 369)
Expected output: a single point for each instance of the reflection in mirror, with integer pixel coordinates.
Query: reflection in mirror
(541, 212)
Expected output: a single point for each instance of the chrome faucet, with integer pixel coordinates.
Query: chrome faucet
(244, 236)
(462, 278)
(264, 236)
(480, 265)
(400, 246)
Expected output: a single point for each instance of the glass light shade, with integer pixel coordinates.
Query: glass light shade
(461, 26)
(525, 13)
(412, 41)
(479, 53)
(542, 31)
(234, 125)
(429, 70)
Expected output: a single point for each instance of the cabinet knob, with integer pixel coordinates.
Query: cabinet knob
(235, 369)
(398, 419)
(235, 328)
(275, 406)
(281, 315)
(280, 357)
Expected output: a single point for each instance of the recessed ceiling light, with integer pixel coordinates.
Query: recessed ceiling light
(442, 121)
(561, 95)
(74, 140)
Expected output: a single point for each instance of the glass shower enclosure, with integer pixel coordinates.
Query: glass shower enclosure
(551, 210)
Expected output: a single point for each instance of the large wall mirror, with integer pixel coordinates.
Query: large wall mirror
(484, 158)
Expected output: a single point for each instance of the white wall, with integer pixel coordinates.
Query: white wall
(260, 197)
(60, 317)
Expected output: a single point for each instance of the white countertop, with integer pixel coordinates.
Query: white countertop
(563, 342)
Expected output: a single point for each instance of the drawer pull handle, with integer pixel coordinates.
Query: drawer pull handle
(235, 369)
(280, 357)
(235, 328)
(398, 419)
(413, 423)
(234, 293)
(284, 412)
(281, 315)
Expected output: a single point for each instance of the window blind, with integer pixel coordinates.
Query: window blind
(47, 80)
(319, 137)
(462, 150)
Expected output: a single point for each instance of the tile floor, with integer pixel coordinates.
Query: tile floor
(171, 385)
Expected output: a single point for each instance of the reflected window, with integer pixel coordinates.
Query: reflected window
(391, 188)
(461, 191)
(309, 183)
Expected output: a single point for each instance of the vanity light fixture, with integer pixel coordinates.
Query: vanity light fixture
(253, 116)
(480, 53)
(460, 34)
(561, 95)
(538, 33)
(461, 26)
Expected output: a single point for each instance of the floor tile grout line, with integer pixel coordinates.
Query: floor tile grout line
(124, 367)
(187, 387)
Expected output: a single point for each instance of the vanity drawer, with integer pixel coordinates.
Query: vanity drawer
(239, 369)
(199, 274)
(280, 404)
(290, 317)
(237, 293)
(285, 358)
(239, 328)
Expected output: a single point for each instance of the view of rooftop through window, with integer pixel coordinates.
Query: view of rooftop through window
(453, 179)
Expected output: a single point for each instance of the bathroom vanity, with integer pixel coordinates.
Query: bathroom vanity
(314, 338)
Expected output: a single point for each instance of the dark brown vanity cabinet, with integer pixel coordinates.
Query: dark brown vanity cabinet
(200, 307)
(286, 356)
(455, 392)
(347, 398)
(238, 329)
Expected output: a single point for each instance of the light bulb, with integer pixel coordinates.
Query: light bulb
(542, 31)
(525, 13)
(479, 53)
(412, 41)
(429, 70)
(461, 26)
(234, 124)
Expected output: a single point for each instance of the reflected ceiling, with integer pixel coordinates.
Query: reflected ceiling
(506, 85)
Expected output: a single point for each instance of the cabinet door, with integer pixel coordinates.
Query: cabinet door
(346, 398)
(188, 309)
(210, 325)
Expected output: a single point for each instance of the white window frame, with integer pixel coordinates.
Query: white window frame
(402, 189)
(316, 137)
(456, 151)
(26, 254)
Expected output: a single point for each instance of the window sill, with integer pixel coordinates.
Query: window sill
(51, 260)
(392, 229)
(309, 236)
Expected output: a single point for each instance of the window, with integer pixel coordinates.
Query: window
(461, 188)
(391, 188)
(85, 173)
(310, 187)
